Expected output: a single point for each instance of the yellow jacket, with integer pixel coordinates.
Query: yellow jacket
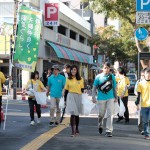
(2, 80)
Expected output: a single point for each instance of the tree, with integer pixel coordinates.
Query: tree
(124, 11)
(111, 43)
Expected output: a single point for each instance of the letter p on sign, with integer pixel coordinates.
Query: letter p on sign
(144, 3)
(51, 11)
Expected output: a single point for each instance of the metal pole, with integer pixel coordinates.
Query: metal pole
(15, 69)
(139, 65)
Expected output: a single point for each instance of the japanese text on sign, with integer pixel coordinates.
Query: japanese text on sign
(142, 17)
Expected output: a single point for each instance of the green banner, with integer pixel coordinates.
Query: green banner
(28, 38)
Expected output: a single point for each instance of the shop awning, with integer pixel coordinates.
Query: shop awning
(70, 54)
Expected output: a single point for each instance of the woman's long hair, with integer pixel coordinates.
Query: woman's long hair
(78, 77)
(33, 74)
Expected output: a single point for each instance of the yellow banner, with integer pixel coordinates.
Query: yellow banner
(4, 44)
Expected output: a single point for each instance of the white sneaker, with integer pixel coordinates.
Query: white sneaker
(32, 123)
(38, 120)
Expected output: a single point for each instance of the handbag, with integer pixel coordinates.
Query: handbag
(106, 86)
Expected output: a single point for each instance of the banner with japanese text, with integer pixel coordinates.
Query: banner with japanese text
(28, 38)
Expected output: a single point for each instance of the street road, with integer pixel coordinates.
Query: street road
(20, 135)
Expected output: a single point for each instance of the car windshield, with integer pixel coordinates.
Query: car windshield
(131, 77)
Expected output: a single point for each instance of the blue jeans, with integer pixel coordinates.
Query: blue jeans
(145, 118)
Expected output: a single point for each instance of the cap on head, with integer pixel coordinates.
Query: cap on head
(55, 67)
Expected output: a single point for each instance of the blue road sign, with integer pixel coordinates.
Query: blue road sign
(143, 5)
(141, 34)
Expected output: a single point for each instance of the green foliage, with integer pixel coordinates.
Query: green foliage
(114, 45)
(123, 46)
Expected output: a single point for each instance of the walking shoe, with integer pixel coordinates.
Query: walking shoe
(56, 123)
(119, 119)
(51, 124)
(147, 137)
(100, 130)
(142, 132)
(72, 135)
(32, 123)
(108, 134)
(126, 122)
(38, 120)
(77, 132)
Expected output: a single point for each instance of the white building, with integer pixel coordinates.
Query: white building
(67, 43)
(99, 19)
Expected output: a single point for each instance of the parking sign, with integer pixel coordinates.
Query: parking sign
(143, 5)
(51, 14)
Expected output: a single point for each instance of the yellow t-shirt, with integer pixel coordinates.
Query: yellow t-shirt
(74, 85)
(2, 80)
(37, 85)
(122, 83)
(144, 89)
(117, 79)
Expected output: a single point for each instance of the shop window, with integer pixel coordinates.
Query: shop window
(50, 27)
(62, 30)
(81, 39)
(72, 35)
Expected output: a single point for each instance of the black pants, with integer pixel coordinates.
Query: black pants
(125, 102)
(0, 108)
(31, 107)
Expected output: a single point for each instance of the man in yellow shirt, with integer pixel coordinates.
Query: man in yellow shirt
(2, 80)
(144, 91)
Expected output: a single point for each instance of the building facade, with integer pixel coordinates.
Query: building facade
(66, 43)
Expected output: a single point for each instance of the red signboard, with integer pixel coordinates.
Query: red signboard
(51, 14)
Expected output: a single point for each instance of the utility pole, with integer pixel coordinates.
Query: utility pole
(14, 33)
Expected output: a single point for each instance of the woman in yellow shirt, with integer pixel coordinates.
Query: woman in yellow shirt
(74, 85)
(2, 80)
(122, 92)
(34, 84)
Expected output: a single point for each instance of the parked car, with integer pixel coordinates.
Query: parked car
(133, 78)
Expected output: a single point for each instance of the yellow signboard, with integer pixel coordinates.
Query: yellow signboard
(4, 44)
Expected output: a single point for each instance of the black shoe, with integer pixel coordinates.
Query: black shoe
(126, 122)
(51, 124)
(56, 123)
(142, 132)
(100, 130)
(108, 134)
(119, 119)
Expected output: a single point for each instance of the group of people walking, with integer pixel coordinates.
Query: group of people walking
(69, 84)
(108, 88)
